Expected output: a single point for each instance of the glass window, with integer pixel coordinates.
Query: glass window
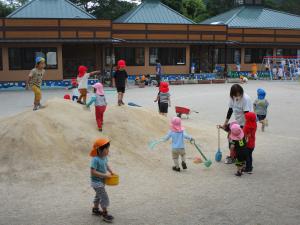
(24, 58)
(233, 55)
(286, 52)
(1, 65)
(256, 55)
(132, 56)
(167, 56)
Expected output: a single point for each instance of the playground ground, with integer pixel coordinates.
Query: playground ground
(157, 195)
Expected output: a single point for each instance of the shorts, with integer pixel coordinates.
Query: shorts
(163, 107)
(261, 117)
(241, 156)
(121, 89)
(37, 93)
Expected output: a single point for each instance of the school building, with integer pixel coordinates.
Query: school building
(67, 36)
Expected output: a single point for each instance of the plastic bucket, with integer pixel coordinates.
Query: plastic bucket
(112, 181)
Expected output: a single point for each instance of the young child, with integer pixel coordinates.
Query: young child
(99, 171)
(261, 108)
(249, 131)
(34, 81)
(100, 104)
(74, 88)
(178, 135)
(82, 80)
(163, 98)
(232, 156)
(120, 80)
(239, 144)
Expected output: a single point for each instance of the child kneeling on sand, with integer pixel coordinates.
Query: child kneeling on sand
(178, 135)
(99, 171)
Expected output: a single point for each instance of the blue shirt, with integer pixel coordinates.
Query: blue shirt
(177, 139)
(100, 165)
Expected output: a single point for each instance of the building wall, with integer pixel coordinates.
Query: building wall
(19, 75)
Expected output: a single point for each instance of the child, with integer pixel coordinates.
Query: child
(249, 131)
(261, 108)
(163, 98)
(239, 144)
(231, 158)
(100, 104)
(99, 168)
(120, 81)
(74, 88)
(82, 80)
(178, 135)
(34, 81)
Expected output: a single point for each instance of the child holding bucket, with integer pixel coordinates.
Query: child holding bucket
(82, 80)
(163, 98)
(120, 81)
(178, 135)
(100, 104)
(34, 81)
(100, 170)
(239, 144)
(261, 108)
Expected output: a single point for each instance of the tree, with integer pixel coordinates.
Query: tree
(174, 4)
(215, 7)
(5, 10)
(194, 9)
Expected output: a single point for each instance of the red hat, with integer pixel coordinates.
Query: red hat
(250, 118)
(121, 64)
(164, 87)
(67, 97)
(74, 82)
(82, 70)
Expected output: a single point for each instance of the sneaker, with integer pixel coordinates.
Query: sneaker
(108, 218)
(184, 165)
(97, 212)
(35, 108)
(229, 160)
(239, 173)
(177, 169)
(249, 171)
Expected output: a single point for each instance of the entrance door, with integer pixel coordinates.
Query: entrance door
(203, 57)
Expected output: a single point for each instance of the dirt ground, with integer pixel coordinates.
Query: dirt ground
(44, 163)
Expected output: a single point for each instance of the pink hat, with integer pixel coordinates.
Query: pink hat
(236, 132)
(232, 123)
(99, 88)
(176, 124)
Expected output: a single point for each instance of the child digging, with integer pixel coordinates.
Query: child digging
(178, 135)
(261, 108)
(82, 80)
(120, 81)
(249, 131)
(99, 171)
(35, 79)
(100, 104)
(239, 144)
(163, 98)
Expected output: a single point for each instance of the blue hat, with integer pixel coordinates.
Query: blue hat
(261, 94)
(39, 59)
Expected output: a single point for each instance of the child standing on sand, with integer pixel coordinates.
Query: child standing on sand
(232, 155)
(74, 88)
(178, 135)
(34, 81)
(82, 80)
(99, 171)
(239, 144)
(163, 98)
(120, 81)
(261, 108)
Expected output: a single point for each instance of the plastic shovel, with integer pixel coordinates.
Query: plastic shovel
(218, 156)
(207, 162)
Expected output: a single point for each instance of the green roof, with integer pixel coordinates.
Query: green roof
(153, 11)
(256, 17)
(50, 9)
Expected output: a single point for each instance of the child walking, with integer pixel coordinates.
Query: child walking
(261, 108)
(100, 104)
(249, 131)
(100, 170)
(239, 144)
(178, 135)
(34, 81)
(163, 98)
(120, 80)
(82, 80)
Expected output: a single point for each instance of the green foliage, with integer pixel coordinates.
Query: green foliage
(5, 9)
(194, 9)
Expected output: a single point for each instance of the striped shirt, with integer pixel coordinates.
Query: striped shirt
(164, 97)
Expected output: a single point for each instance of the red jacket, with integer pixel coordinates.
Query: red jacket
(250, 129)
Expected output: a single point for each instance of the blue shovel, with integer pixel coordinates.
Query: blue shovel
(218, 156)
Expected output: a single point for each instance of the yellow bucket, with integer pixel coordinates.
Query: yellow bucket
(112, 181)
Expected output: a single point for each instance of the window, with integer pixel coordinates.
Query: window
(167, 56)
(233, 55)
(24, 58)
(132, 56)
(256, 55)
(1, 65)
(286, 52)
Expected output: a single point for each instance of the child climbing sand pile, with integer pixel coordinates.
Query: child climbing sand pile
(178, 135)
(163, 98)
(261, 108)
(120, 81)
(74, 88)
(99, 171)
